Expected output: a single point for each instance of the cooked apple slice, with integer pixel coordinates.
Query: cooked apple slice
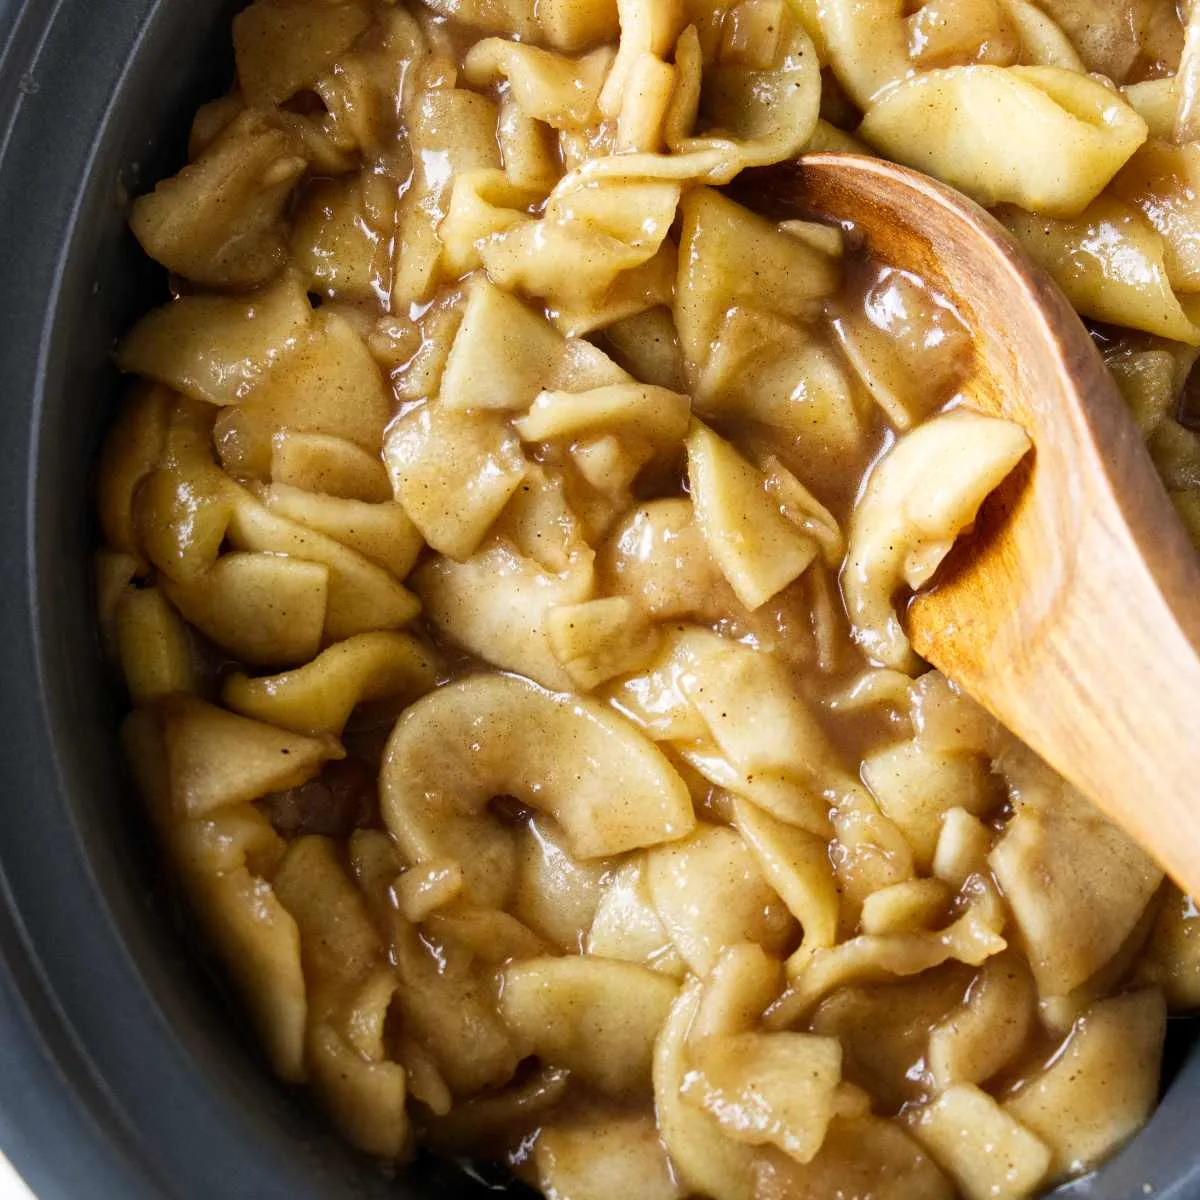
(883, 1029)
(492, 936)
(556, 894)
(803, 509)
(422, 890)
(551, 87)
(220, 221)
(725, 680)
(320, 696)
(906, 907)
(729, 256)
(594, 1016)
(214, 348)
(381, 532)
(917, 785)
(282, 46)
(972, 939)
(1050, 115)
(326, 382)
(571, 26)
(132, 450)
(114, 573)
(481, 1128)
(334, 244)
(262, 608)
(757, 548)
(1101, 1086)
(1047, 861)
(608, 787)
(632, 292)
(962, 847)
(361, 595)
(319, 462)
(181, 516)
(659, 558)
(495, 605)
(542, 525)
(365, 1097)
(710, 893)
(597, 640)
(990, 1154)
(768, 1088)
(862, 1155)
(602, 1154)
(773, 372)
(225, 839)
(528, 148)
(351, 989)
(652, 413)
(453, 472)
(154, 647)
(482, 203)
(707, 1161)
(445, 1002)
(737, 991)
(1139, 295)
(222, 858)
(499, 328)
(796, 863)
(910, 513)
(1171, 958)
(256, 940)
(626, 925)
(991, 1026)
(341, 947)
(216, 758)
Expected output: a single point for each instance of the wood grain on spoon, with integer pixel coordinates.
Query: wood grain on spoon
(1073, 612)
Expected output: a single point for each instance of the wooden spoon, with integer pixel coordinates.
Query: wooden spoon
(1073, 612)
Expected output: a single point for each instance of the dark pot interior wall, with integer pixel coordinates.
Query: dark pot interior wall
(121, 1074)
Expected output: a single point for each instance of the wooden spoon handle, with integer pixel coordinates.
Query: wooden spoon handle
(1090, 663)
(1091, 587)
(1110, 696)
(1074, 614)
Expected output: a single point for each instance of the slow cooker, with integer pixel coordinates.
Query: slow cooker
(123, 1073)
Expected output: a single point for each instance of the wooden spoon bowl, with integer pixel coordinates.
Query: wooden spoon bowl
(1073, 612)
